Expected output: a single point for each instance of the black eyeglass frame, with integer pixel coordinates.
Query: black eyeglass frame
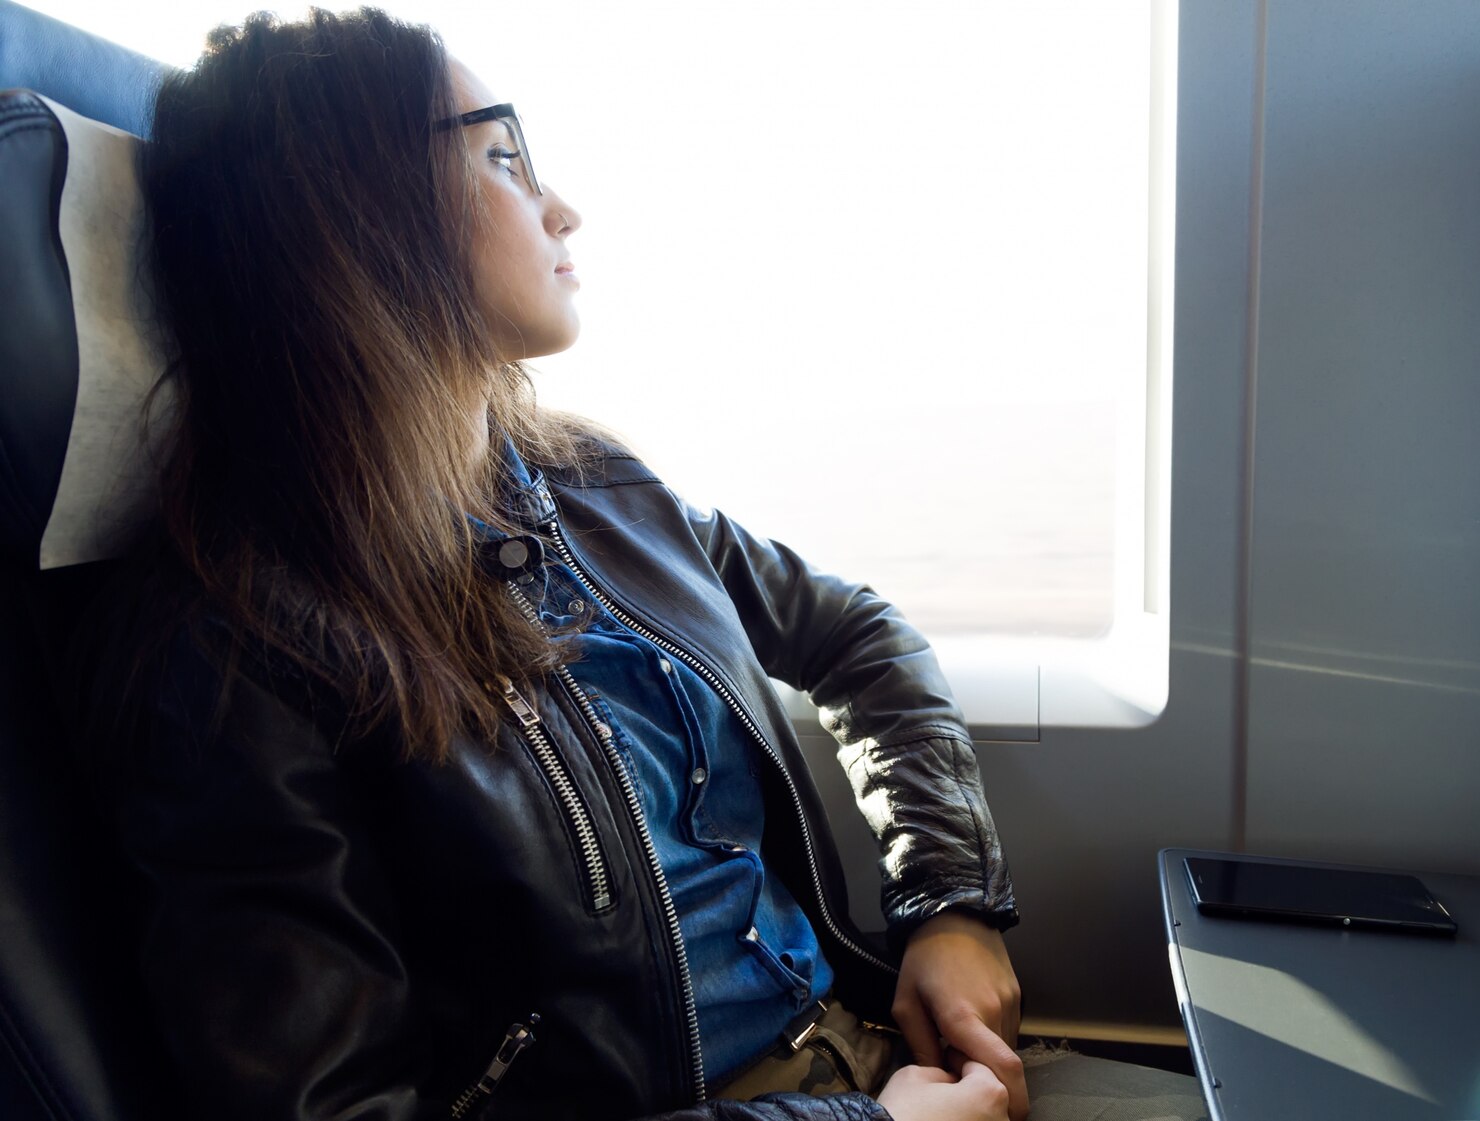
(505, 113)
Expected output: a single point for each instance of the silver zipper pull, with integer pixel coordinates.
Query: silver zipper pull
(516, 1039)
(521, 708)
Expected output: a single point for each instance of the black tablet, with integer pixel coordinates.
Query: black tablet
(1315, 893)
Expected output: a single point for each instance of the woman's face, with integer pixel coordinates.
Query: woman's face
(525, 276)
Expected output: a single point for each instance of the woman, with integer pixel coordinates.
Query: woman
(459, 786)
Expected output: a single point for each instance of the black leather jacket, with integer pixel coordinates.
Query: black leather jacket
(333, 933)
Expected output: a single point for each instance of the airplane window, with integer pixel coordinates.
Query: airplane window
(919, 253)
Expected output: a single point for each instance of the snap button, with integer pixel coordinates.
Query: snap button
(519, 556)
(665, 665)
(699, 775)
(513, 553)
(576, 606)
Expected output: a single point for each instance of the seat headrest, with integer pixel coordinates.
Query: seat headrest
(88, 74)
(79, 349)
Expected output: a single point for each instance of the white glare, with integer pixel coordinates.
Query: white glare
(869, 276)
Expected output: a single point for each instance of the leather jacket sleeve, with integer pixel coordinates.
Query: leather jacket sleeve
(269, 934)
(785, 1107)
(268, 940)
(901, 737)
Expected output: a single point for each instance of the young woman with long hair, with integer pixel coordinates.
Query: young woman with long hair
(458, 786)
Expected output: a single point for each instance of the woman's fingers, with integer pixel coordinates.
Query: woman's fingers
(918, 1028)
(983, 1047)
(989, 1090)
(917, 1093)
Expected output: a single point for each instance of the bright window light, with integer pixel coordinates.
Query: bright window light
(886, 281)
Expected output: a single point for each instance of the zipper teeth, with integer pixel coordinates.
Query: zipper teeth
(670, 912)
(600, 887)
(705, 672)
(549, 759)
(629, 793)
(465, 1102)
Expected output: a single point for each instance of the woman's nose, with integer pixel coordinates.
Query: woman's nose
(561, 218)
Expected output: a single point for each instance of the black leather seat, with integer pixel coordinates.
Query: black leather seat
(77, 1041)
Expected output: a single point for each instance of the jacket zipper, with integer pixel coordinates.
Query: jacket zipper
(549, 761)
(670, 912)
(718, 686)
(516, 1039)
(639, 819)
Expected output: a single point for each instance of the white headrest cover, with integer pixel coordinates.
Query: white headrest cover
(108, 479)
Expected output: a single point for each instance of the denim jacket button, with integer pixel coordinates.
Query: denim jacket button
(513, 553)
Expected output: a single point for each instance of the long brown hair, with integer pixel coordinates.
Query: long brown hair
(311, 233)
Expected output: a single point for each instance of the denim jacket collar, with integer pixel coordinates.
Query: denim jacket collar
(526, 496)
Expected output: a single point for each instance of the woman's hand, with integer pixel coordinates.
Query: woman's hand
(930, 1094)
(957, 990)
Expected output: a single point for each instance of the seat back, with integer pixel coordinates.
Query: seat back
(77, 1041)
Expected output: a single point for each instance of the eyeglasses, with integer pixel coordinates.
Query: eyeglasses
(506, 114)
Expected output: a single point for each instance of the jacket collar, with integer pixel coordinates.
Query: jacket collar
(526, 495)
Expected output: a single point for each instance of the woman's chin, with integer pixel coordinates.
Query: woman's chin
(554, 344)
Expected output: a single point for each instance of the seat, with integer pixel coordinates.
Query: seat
(77, 1041)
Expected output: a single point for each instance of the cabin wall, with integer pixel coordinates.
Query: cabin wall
(1325, 662)
(1364, 685)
